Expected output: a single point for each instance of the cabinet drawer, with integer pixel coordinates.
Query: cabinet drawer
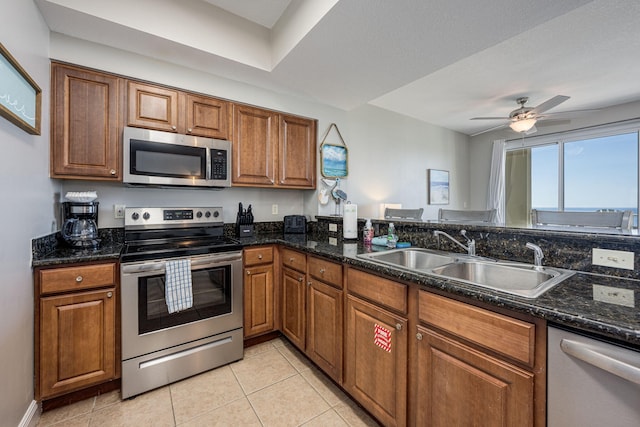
(328, 272)
(510, 337)
(381, 291)
(76, 278)
(261, 255)
(294, 259)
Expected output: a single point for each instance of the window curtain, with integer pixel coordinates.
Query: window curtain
(495, 199)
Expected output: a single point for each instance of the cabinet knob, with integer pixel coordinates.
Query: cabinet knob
(291, 260)
(109, 294)
(259, 256)
(248, 273)
(322, 271)
(79, 279)
(309, 283)
(300, 279)
(399, 326)
(189, 130)
(419, 336)
(173, 127)
(112, 171)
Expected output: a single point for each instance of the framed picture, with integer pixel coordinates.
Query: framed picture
(20, 96)
(438, 185)
(333, 161)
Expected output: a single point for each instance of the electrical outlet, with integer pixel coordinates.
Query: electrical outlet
(118, 211)
(333, 241)
(333, 227)
(274, 209)
(613, 295)
(610, 258)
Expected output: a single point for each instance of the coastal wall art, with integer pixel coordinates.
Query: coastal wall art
(438, 185)
(20, 96)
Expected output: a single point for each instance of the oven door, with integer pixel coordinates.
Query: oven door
(147, 325)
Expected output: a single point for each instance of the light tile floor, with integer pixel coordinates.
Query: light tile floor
(274, 385)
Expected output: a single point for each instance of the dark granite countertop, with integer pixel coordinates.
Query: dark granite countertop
(570, 303)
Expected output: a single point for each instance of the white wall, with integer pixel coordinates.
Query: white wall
(27, 211)
(481, 145)
(389, 157)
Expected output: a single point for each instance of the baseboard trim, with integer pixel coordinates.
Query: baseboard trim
(31, 417)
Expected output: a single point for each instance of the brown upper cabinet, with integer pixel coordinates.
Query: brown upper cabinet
(272, 149)
(86, 124)
(171, 110)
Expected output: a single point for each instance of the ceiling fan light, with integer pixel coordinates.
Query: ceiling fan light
(522, 125)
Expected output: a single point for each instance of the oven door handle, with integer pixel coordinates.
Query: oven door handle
(200, 262)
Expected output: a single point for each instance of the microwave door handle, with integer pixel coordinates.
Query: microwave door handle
(208, 164)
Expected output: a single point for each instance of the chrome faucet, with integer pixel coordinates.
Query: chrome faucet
(537, 255)
(471, 243)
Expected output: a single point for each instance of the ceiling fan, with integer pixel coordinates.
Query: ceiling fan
(523, 119)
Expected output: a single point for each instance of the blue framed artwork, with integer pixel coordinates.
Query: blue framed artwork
(20, 96)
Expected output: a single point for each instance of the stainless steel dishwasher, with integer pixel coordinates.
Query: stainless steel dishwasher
(591, 382)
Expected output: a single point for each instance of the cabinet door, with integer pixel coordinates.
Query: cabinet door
(293, 307)
(255, 142)
(152, 107)
(77, 341)
(297, 152)
(459, 386)
(324, 328)
(258, 300)
(85, 140)
(376, 361)
(205, 116)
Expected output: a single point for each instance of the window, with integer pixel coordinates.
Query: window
(586, 170)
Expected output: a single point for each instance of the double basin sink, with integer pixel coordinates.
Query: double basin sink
(524, 280)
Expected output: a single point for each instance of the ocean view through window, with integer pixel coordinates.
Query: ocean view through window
(579, 171)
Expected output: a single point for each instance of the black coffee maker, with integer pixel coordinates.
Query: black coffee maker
(80, 227)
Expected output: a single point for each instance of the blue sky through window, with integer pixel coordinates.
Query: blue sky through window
(598, 173)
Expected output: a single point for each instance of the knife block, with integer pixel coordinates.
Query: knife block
(244, 230)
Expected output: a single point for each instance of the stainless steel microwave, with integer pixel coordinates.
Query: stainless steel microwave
(169, 159)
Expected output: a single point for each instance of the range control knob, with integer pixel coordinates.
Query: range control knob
(216, 214)
(146, 215)
(199, 214)
(135, 216)
(207, 214)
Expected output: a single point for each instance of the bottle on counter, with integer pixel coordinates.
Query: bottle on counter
(392, 237)
(367, 233)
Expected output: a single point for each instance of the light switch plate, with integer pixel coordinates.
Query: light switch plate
(611, 258)
(619, 296)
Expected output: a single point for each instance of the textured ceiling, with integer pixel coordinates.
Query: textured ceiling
(440, 61)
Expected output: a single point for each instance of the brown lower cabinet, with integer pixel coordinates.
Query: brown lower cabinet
(259, 291)
(376, 344)
(76, 318)
(460, 386)
(294, 306)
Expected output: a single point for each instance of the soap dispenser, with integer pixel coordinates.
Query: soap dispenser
(367, 233)
(392, 238)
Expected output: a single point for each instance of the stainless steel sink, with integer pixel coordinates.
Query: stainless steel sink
(514, 278)
(417, 259)
(511, 277)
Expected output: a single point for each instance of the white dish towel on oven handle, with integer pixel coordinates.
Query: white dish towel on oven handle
(178, 291)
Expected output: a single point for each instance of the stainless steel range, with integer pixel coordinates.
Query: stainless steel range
(159, 346)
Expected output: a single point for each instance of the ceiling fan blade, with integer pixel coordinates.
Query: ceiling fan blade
(550, 103)
(489, 118)
(571, 113)
(552, 122)
(490, 129)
